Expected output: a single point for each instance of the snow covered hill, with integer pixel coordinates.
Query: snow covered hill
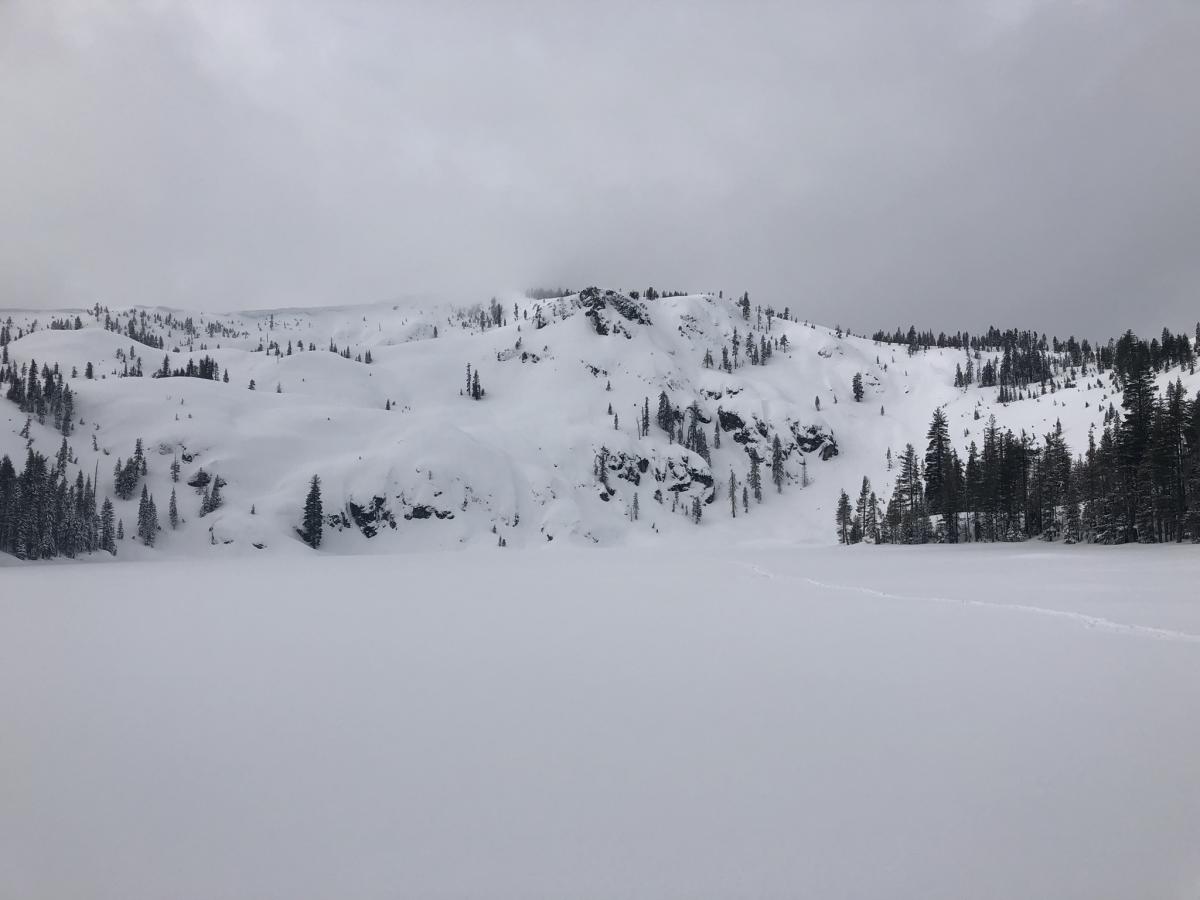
(554, 449)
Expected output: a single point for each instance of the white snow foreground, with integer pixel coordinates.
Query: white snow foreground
(932, 722)
(521, 463)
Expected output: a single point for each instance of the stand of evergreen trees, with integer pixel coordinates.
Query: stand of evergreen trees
(44, 514)
(1016, 361)
(1171, 349)
(1139, 482)
(205, 368)
(137, 328)
(41, 394)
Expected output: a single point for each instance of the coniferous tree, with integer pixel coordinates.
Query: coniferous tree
(147, 519)
(937, 460)
(777, 464)
(1072, 527)
(212, 496)
(666, 416)
(844, 518)
(107, 533)
(312, 523)
(864, 526)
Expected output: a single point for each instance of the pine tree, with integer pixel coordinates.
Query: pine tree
(856, 385)
(107, 534)
(843, 518)
(1072, 527)
(312, 525)
(666, 416)
(871, 528)
(173, 511)
(864, 514)
(909, 500)
(937, 459)
(777, 464)
(68, 411)
(147, 519)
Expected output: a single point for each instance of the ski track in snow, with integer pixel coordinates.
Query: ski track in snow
(1087, 621)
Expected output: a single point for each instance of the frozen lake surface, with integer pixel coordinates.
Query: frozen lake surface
(937, 722)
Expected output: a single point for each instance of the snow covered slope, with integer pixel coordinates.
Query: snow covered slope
(410, 462)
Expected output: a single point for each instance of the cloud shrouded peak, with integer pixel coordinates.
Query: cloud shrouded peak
(871, 163)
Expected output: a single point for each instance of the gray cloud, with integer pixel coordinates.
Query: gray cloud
(871, 162)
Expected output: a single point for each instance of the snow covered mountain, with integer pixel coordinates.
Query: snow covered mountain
(554, 450)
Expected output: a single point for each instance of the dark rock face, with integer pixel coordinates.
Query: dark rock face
(593, 301)
(812, 439)
(804, 438)
(627, 466)
(370, 517)
(730, 421)
(373, 515)
(682, 476)
(425, 512)
(676, 475)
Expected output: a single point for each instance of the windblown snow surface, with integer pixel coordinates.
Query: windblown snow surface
(933, 722)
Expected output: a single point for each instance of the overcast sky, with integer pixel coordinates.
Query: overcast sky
(869, 162)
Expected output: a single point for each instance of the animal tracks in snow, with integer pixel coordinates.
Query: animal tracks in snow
(1087, 621)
